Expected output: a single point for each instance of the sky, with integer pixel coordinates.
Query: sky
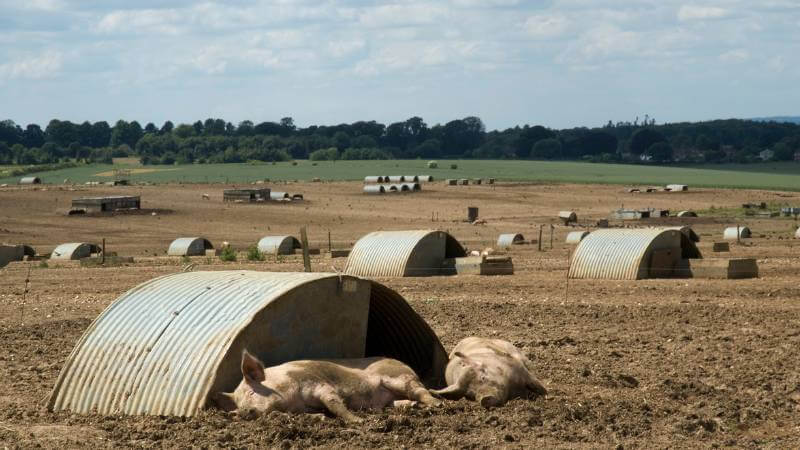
(557, 63)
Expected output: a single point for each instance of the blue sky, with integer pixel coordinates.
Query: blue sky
(559, 63)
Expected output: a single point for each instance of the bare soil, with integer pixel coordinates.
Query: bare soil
(629, 364)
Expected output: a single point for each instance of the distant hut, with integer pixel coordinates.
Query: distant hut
(677, 187)
(730, 233)
(396, 179)
(74, 250)
(412, 187)
(278, 245)
(509, 239)
(189, 246)
(374, 189)
(433, 165)
(463, 182)
(30, 180)
(575, 237)
(373, 179)
(413, 253)
(279, 196)
(451, 182)
(687, 214)
(425, 178)
(797, 233)
(568, 217)
(632, 254)
(411, 178)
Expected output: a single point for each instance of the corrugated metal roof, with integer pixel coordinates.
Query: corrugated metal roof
(620, 254)
(509, 239)
(278, 245)
(402, 253)
(373, 179)
(395, 179)
(411, 178)
(274, 195)
(568, 216)
(425, 178)
(30, 180)
(413, 187)
(165, 345)
(730, 233)
(374, 189)
(687, 214)
(575, 237)
(189, 246)
(797, 233)
(74, 250)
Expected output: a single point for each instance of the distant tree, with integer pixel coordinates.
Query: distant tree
(6, 156)
(61, 133)
(101, 134)
(10, 132)
(660, 151)
(341, 140)
(363, 141)
(198, 128)
(150, 128)
(167, 127)
(643, 138)
(547, 149)
(782, 152)
(33, 136)
(529, 136)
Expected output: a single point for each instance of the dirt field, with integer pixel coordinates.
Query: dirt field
(652, 363)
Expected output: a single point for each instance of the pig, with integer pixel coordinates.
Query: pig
(337, 386)
(491, 371)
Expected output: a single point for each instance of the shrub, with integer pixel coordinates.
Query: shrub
(254, 254)
(227, 254)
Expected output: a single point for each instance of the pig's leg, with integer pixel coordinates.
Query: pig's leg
(334, 403)
(456, 390)
(409, 388)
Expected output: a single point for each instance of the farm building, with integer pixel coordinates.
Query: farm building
(74, 250)
(402, 253)
(105, 204)
(568, 217)
(575, 237)
(373, 179)
(632, 254)
(677, 187)
(412, 187)
(463, 182)
(374, 189)
(730, 233)
(395, 179)
(245, 195)
(189, 246)
(278, 245)
(411, 178)
(279, 196)
(141, 357)
(634, 214)
(425, 178)
(509, 239)
(451, 182)
(30, 180)
(687, 214)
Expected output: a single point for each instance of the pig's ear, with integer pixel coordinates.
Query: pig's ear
(252, 368)
(460, 355)
(224, 401)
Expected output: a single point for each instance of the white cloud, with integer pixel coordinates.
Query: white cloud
(693, 12)
(161, 21)
(735, 56)
(402, 14)
(546, 26)
(46, 65)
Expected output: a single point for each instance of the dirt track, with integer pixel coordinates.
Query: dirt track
(653, 363)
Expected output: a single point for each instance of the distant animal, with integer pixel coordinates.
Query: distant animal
(474, 253)
(336, 386)
(489, 371)
(206, 197)
(487, 251)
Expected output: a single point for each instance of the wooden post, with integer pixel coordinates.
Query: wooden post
(551, 235)
(738, 240)
(329, 241)
(540, 237)
(304, 242)
(103, 257)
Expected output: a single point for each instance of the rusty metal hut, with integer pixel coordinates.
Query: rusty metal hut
(189, 246)
(278, 245)
(413, 253)
(632, 254)
(167, 345)
(508, 239)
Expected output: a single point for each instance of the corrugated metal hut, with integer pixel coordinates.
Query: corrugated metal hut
(246, 195)
(413, 187)
(9, 253)
(677, 187)
(575, 237)
(278, 245)
(396, 179)
(463, 182)
(74, 250)
(508, 239)
(106, 204)
(731, 232)
(279, 195)
(373, 179)
(374, 189)
(411, 178)
(167, 345)
(189, 246)
(433, 164)
(30, 180)
(402, 253)
(631, 254)
(451, 182)
(797, 233)
(425, 178)
(568, 216)
(687, 214)
(400, 187)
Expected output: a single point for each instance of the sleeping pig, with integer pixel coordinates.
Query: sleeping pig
(337, 386)
(491, 371)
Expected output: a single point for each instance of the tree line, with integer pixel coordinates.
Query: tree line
(218, 141)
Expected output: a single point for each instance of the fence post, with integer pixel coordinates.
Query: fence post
(304, 242)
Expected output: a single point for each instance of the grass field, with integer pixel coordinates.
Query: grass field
(777, 176)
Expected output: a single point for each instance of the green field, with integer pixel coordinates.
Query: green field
(776, 176)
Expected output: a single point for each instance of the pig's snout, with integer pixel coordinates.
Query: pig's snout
(489, 401)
